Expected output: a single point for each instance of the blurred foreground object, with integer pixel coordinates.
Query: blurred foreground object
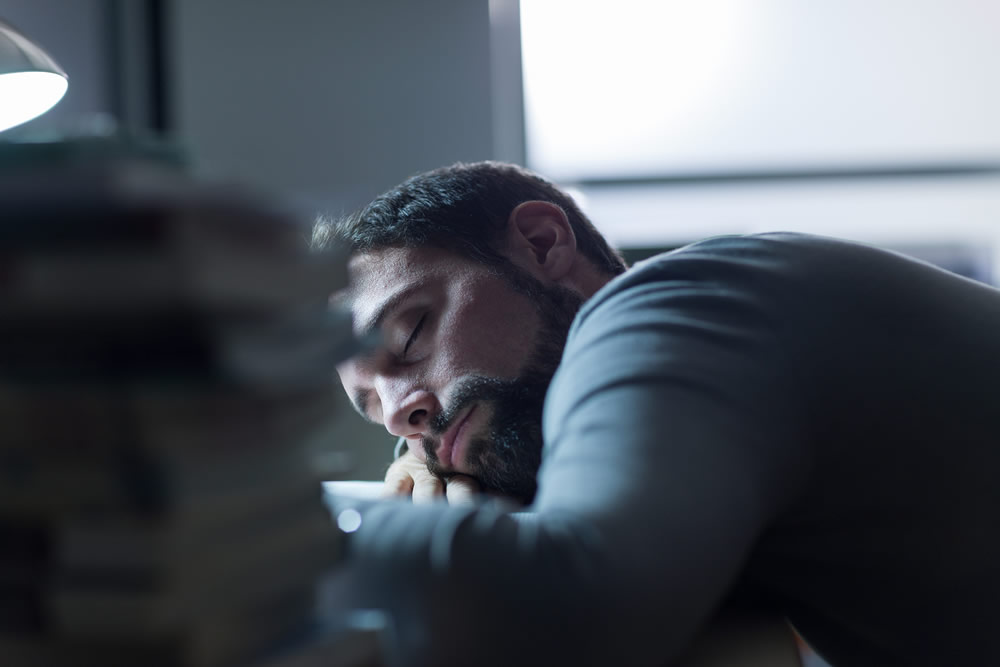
(31, 82)
(166, 354)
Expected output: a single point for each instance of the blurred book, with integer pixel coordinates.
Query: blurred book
(166, 363)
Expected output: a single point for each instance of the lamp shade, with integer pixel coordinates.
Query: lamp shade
(30, 81)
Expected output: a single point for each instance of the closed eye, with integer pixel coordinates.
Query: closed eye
(413, 336)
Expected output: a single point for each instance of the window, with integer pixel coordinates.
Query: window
(678, 119)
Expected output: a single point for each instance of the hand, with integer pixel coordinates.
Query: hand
(409, 476)
(461, 490)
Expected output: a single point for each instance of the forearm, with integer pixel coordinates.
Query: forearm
(464, 582)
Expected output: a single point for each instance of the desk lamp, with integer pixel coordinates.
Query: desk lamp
(30, 80)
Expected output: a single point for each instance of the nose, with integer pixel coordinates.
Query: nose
(407, 410)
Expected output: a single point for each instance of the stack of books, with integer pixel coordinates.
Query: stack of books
(166, 364)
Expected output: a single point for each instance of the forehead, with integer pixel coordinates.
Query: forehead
(379, 271)
(378, 275)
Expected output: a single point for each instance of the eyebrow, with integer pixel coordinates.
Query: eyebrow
(386, 308)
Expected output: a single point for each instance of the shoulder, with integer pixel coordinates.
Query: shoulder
(782, 271)
(729, 315)
(699, 313)
(731, 259)
(754, 268)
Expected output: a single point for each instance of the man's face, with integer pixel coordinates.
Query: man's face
(468, 353)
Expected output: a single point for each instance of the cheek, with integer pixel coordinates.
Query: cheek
(489, 336)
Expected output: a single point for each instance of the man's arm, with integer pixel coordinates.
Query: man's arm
(670, 443)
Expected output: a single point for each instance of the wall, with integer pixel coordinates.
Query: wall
(330, 103)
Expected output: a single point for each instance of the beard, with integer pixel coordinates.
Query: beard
(505, 457)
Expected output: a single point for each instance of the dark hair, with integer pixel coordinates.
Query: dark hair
(463, 208)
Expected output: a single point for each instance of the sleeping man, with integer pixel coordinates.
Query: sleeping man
(796, 423)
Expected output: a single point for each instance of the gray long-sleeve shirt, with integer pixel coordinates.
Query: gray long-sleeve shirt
(801, 422)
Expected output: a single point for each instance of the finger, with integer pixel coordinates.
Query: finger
(426, 487)
(398, 479)
(462, 490)
(398, 482)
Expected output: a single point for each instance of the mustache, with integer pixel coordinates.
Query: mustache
(469, 390)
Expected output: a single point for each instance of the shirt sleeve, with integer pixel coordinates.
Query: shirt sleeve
(672, 437)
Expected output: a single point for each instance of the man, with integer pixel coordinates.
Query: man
(791, 422)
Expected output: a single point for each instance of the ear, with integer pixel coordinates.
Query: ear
(541, 239)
